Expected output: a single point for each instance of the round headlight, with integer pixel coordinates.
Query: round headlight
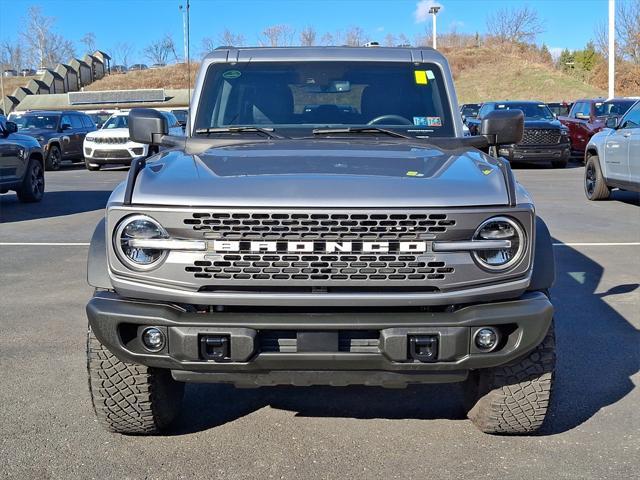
(138, 227)
(500, 228)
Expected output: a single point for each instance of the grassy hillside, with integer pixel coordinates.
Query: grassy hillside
(483, 74)
(480, 74)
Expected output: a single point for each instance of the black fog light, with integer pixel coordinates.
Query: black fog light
(486, 339)
(153, 339)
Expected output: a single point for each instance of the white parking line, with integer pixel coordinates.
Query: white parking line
(596, 244)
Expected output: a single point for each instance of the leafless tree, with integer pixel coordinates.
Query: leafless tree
(390, 40)
(157, 52)
(89, 41)
(277, 36)
(628, 29)
(355, 37)
(516, 25)
(601, 38)
(121, 53)
(11, 55)
(308, 37)
(44, 47)
(170, 46)
(327, 39)
(403, 40)
(228, 38)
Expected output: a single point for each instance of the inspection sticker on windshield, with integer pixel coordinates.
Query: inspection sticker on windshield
(421, 77)
(230, 74)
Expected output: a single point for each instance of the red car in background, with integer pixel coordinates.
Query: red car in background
(587, 117)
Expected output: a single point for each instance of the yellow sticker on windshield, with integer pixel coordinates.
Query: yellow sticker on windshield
(421, 77)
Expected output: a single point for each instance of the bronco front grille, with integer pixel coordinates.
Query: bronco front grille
(335, 267)
(540, 136)
(319, 226)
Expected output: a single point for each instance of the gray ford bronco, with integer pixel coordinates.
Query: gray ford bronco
(324, 222)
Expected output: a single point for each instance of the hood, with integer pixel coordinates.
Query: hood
(39, 132)
(549, 124)
(323, 173)
(110, 132)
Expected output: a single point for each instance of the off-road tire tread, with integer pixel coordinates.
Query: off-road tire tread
(600, 191)
(514, 399)
(129, 398)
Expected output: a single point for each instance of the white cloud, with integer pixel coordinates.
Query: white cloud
(380, 29)
(421, 13)
(555, 52)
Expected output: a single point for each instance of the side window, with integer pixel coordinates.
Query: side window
(632, 119)
(86, 121)
(76, 122)
(486, 108)
(581, 110)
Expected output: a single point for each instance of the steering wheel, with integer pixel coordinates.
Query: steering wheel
(383, 118)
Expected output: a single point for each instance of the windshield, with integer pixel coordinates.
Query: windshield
(99, 118)
(532, 111)
(181, 115)
(116, 121)
(560, 109)
(470, 111)
(613, 107)
(39, 122)
(306, 95)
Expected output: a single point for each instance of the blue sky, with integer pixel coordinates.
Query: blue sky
(568, 23)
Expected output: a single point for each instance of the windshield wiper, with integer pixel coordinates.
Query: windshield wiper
(268, 132)
(369, 129)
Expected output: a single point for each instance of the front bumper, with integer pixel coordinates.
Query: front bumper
(531, 153)
(101, 154)
(373, 346)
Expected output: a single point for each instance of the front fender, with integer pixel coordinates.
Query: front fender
(97, 265)
(544, 265)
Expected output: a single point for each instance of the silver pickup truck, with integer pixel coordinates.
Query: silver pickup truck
(324, 222)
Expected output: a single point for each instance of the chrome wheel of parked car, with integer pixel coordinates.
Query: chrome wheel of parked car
(54, 158)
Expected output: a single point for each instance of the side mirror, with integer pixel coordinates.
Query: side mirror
(65, 126)
(612, 122)
(10, 127)
(147, 125)
(502, 127)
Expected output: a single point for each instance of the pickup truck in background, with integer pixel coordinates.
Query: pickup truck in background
(588, 116)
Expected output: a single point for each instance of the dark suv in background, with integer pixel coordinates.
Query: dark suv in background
(545, 139)
(59, 133)
(21, 163)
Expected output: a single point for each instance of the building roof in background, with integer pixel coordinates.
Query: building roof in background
(60, 101)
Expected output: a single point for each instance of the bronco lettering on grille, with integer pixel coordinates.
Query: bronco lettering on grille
(320, 246)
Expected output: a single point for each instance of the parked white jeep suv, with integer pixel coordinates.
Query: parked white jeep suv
(111, 144)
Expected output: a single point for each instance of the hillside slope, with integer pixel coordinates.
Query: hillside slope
(479, 74)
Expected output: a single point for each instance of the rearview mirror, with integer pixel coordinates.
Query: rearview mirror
(612, 122)
(10, 127)
(147, 125)
(502, 127)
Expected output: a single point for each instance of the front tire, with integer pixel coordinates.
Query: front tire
(514, 399)
(595, 186)
(32, 188)
(129, 398)
(54, 158)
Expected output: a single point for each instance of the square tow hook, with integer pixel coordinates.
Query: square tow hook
(215, 347)
(423, 348)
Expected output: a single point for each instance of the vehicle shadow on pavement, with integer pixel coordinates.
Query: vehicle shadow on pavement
(597, 354)
(54, 204)
(597, 348)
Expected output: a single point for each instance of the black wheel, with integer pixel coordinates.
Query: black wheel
(513, 399)
(595, 186)
(54, 157)
(130, 398)
(92, 167)
(559, 163)
(32, 188)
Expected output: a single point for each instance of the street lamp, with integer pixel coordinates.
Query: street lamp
(434, 11)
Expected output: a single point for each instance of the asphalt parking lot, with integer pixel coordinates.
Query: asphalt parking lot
(48, 429)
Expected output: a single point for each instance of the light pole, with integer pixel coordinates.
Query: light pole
(434, 11)
(612, 47)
